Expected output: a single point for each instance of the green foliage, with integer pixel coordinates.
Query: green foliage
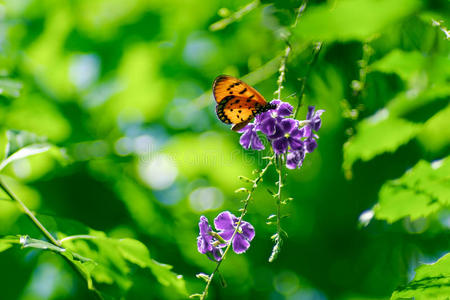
(353, 19)
(106, 117)
(376, 136)
(421, 191)
(430, 282)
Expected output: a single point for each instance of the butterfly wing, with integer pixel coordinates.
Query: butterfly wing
(237, 102)
(237, 110)
(225, 85)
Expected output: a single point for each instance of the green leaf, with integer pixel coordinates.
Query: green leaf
(431, 282)
(7, 242)
(3, 144)
(112, 256)
(352, 19)
(421, 191)
(404, 103)
(20, 138)
(405, 64)
(377, 135)
(24, 152)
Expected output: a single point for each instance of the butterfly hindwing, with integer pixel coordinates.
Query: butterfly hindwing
(234, 110)
(225, 86)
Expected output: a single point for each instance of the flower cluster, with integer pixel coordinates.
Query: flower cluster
(211, 243)
(286, 135)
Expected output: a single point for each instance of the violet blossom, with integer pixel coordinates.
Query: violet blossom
(226, 222)
(284, 132)
(211, 243)
(206, 243)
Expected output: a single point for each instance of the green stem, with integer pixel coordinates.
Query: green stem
(244, 211)
(278, 162)
(313, 61)
(29, 213)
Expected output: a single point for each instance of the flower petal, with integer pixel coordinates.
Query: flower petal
(247, 230)
(226, 234)
(246, 128)
(267, 126)
(203, 225)
(275, 102)
(224, 221)
(245, 138)
(217, 253)
(277, 134)
(311, 144)
(255, 142)
(296, 133)
(287, 125)
(296, 143)
(292, 160)
(285, 109)
(305, 131)
(280, 145)
(310, 113)
(240, 244)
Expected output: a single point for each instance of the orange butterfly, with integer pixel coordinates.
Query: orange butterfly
(237, 102)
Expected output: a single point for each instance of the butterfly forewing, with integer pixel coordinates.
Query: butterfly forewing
(225, 85)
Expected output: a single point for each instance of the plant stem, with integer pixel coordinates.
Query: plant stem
(29, 213)
(282, 70)
(244, 211)
(278, 235)
(315, 55)
(235, 16)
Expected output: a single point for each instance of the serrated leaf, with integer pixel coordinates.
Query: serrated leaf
(378, 135)
(112, 255)
(431, 282)
(166, 277)
(421, 191)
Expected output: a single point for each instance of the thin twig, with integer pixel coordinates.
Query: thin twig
(315, 55)
(235, 16)
(244, 211)
(300, 11)
(29, 213)
(282, 70)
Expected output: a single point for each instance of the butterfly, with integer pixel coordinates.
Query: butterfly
(237, 102)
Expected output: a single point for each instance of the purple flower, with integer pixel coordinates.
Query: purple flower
(267, 121)
(206, 242)
(286, 134)
(283, 132)
(295, 159)
(250, 138)
(314, 118)
(310, 144)
(226, 222)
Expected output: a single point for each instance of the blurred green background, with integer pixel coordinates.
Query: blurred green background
(121, 89)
